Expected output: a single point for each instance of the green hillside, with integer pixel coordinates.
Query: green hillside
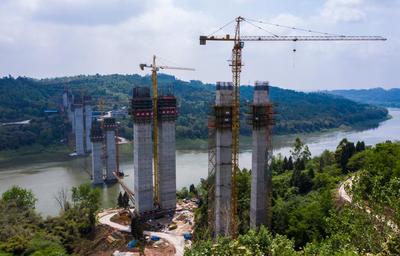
(309, 214)
(377, 96)
(297, 112)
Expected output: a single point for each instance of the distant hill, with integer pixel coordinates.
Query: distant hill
(376, 96)
(297, 112)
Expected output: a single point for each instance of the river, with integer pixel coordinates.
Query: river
(46, 174)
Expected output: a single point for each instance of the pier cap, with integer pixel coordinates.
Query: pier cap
(224, 86)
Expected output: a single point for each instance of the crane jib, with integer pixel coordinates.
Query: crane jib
(204, 39)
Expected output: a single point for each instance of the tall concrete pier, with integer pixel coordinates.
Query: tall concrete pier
(261, 190)
(110, 128)
(79, 127)
(141, 112)
(88, 121)
(71, 112)
(65, 99)
(223, 170)
(97, 139)
(167, 115)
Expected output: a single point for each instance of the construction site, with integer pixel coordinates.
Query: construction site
(152, 189)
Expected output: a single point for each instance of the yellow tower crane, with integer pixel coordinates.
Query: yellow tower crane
(154, 69)
(236, 65)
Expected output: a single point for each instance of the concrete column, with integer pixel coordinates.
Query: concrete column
(71, 118)
(223, 170)
(65, 99)
(141, 113)
(260, 170)
(71, 112)
(143, 166)
(166, 151)
(111, 148)
(97, 139)
(88, 123)
(79, 142)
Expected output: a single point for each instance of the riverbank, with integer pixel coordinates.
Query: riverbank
(57, 152)
(45, 174)
(60, 152)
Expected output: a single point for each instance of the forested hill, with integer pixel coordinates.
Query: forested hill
(377, 96)
(25, 98)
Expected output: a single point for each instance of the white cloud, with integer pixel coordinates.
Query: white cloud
(343, 11)
(99, 39)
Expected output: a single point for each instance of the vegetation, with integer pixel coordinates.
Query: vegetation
(24, 232)
(377, 185)
(376, 96)
(250, 243)
(25, 98)
(308, 218)
(123, 200)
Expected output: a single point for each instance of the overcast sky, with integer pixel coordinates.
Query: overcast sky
(49, 38)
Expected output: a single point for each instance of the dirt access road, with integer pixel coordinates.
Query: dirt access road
(176, 240)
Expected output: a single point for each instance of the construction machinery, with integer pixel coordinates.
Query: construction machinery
(236, 66)
(154, 69)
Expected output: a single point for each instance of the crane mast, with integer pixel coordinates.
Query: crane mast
(154, 68)
(236, 66)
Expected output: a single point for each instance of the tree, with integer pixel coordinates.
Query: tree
(305, 183)
(290, 164)
(301, 154)
(22, 198)
(183, 193)
(136, 226)
(325, 159)
(297, 149)
(295, 181)
(360, 146)
(344, 151)
(86, 198)
(120, 200)
(192, 190)
(300, 164)
(285, 164)
(247, 244)
(125, 200)
(62, 199)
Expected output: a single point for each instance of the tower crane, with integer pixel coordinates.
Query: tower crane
(236, 66)
(154, 69)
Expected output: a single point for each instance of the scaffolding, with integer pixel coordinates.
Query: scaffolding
(211, 173)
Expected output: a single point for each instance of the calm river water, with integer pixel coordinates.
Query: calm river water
(46, 174)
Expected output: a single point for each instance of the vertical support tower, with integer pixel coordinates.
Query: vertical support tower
(71, 111)
(65, 99)
(141, 112)
(88, 121)
(97, 139)
(167, 115)
(261, 184)
(79, 127)
(223, 170)
(110, 127)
